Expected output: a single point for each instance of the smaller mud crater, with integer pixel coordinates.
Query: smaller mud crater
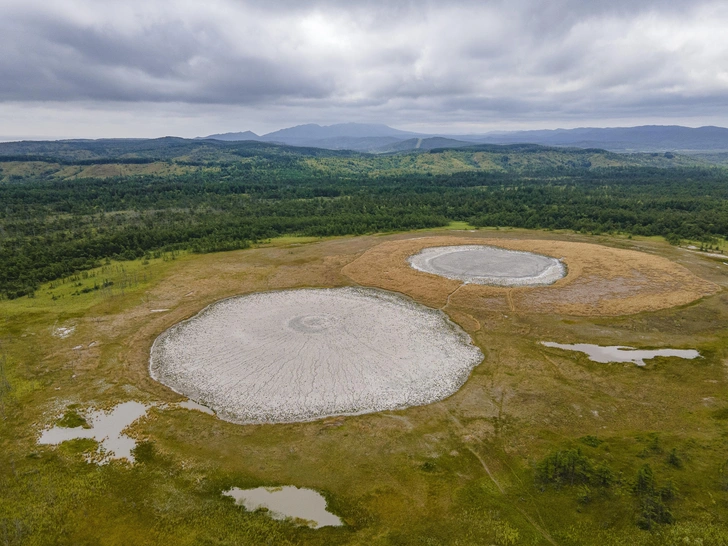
(481, 264)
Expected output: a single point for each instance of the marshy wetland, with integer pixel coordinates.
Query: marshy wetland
(539, 445)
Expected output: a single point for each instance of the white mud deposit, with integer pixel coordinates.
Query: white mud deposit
(480, 264)
(106, 428)
(300, 355)
(287, 502)
(618, 353)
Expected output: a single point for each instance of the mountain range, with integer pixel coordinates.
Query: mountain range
(378, 138)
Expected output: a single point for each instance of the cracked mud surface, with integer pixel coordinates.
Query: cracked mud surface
(300, 355)
(481, 264)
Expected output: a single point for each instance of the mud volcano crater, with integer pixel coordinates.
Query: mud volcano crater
(300, 355)
(480, 264)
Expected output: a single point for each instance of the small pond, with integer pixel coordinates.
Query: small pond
(192, 405)
(618, 353)
(104, 427)
(287, 502)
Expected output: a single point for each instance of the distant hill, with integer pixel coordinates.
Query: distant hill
(150, 149)
(378, 138)
(245, 135)
(362, 137)
(709, 143)
(312, 131)
(646, 138)
(174, 156)
(358, 144)
(430, 143)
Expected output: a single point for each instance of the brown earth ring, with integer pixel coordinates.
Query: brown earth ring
(600, 281)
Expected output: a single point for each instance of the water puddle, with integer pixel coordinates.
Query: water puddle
(63, 333)
(618, 353)
(106, 428)
(192, 405)
(287, 502)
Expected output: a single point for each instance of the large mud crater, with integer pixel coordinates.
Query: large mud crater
(300, 355)
(480, 264)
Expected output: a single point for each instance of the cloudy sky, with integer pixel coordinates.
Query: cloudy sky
(81, 68)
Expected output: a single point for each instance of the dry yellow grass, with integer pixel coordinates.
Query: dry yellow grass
(600, 281)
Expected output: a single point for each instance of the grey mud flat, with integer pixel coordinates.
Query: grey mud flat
(482, 264)
(301, 355)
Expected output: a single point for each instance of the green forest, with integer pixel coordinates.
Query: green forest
(229, 196)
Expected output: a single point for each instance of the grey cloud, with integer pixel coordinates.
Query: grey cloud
(373, 59)
(59, 60)
(159, 52)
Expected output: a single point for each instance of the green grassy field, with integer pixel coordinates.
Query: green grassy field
(470, 470)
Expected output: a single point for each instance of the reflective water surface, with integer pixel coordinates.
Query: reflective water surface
(618, 353)
(106, 428)
(287, 502)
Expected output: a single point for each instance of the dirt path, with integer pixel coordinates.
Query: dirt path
(450, 296)
(509, 297)
(547, 537)
(554, 367)
(487, 470)
(536, 526)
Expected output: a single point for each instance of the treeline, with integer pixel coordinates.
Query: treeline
(49, 229)
(63, 161)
